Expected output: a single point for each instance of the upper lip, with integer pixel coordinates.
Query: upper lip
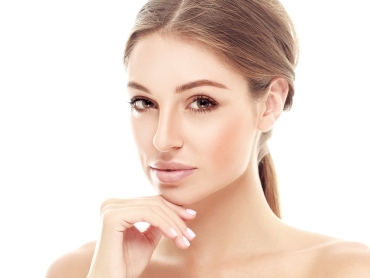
(171, 166)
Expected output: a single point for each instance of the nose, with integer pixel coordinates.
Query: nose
(168, 135)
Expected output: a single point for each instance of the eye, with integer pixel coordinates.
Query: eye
(141, 104)
(203, 104)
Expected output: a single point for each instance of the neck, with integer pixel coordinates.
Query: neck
(233, 220)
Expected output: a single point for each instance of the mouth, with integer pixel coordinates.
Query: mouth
(171, 172)
(171, 176)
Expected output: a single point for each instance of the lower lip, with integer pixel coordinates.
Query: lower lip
(171, 176)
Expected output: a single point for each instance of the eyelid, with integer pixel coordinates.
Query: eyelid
(134, 99)
(213, 102)
(201, 96)
(194, 98)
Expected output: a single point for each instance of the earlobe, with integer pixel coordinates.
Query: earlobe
(273, 103)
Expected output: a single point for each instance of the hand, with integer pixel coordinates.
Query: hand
(124, 251)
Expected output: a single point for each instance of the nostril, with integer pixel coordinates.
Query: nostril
(167, 136)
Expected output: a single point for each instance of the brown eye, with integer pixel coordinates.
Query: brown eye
(143, 104)
(202, 103)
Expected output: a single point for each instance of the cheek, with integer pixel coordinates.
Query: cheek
(143, 130)
(226, 143)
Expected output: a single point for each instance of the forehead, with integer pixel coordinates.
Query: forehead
(169, 59)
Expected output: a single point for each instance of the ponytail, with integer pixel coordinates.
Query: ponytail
(267, 174)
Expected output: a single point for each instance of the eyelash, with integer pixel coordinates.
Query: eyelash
(214, 104)
(136, 99)
(204, 110)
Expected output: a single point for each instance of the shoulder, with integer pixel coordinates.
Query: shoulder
(75, 264)
(343, 259)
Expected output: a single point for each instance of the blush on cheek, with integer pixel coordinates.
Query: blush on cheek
(229, 144)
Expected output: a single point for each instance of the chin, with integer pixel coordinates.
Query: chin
(177, 198)
(179, 195)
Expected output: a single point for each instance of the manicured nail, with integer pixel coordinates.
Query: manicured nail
(187, 243)
(190, 233)
(173, 232)
(191, 212)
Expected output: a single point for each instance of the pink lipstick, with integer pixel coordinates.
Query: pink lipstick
(171, 172)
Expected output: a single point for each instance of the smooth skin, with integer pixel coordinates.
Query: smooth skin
(189, 107)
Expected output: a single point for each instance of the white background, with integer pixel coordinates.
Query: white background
(65, 142)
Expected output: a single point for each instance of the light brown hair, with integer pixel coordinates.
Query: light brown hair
(255, 37)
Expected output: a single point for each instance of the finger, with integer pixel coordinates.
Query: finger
(167, 208)
(178, 228)
(175, 221)
(172, 217)
(124, 218)
(184, 213)
(153, 234)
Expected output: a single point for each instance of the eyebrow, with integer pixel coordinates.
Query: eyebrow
(182, 88)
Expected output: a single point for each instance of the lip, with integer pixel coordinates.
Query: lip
(171, 172)
(170, 166)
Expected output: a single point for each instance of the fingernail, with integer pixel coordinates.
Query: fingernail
(191, 212)
(187, 243)
(173, 232)
(190, 233)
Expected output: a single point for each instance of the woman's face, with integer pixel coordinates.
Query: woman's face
(193, 121)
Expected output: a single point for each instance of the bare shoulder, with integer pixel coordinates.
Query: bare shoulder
(75, 264)
(343, 259)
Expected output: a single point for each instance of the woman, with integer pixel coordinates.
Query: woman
(207, 81)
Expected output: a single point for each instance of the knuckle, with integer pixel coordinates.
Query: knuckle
(105, 203)
(111, 218)
(154, 200)
(161, 200)
(182, 226)
(146, 210)
(108, 215)
(156, 207)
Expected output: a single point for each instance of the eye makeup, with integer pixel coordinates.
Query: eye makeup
(199, 104)
(203, 104)
(141, 104)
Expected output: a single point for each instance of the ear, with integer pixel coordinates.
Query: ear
(273, 103)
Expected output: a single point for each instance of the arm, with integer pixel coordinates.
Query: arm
(75, 264)
(122, 250)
